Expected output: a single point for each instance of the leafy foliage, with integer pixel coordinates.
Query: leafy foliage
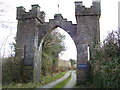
(106, 62)
(44, 80)
(10, 70)
(73, 62)
(52, 46)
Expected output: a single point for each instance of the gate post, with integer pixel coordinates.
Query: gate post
(88, 33)
(27, 42)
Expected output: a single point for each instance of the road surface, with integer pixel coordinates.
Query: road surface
(50, 85)
(72, 81)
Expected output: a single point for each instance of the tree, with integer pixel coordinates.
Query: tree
(52, 46)
(73, 62)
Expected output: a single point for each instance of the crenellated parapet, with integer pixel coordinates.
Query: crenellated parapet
(33, 13)
(59, 20)
(81, 10)
(58, 16)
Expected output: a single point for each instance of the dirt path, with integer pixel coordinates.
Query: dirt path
(50, 85)
(72, 81)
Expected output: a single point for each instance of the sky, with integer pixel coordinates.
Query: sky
(108, 19)
(71, 51)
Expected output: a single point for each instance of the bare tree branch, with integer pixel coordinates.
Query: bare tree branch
(4, 44)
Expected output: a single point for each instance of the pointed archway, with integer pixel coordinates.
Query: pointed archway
(32, 28)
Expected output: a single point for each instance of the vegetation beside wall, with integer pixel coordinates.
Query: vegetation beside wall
(10, 71)
(106, 62)
(63, 65)
(32, 85)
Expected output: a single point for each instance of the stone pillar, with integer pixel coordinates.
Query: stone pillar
(27, 42)
(88, 33)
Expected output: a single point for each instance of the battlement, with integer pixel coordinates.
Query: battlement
(33, 13)
(58, 16)
(81, 10)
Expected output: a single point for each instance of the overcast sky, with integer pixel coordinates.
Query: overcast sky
(108, 20)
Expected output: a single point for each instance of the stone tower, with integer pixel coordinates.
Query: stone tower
(27, 41)
(88, 33)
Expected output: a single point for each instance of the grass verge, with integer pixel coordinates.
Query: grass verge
(44, 80)
(63, 83)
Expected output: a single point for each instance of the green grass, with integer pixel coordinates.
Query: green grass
(44, 80)
(63, 83)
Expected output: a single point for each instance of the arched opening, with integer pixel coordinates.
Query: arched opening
(54, 58)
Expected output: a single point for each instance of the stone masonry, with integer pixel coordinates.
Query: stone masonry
(32, 29)
(88, 33)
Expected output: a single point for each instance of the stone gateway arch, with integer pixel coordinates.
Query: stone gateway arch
(32, 28)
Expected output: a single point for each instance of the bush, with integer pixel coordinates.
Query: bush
(10, 71)
(106, 63)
